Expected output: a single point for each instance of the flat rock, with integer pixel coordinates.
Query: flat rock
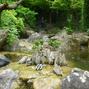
(4, 61)
(23, 60)
(57, 70)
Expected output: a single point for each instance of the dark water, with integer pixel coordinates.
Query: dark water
(79, 59)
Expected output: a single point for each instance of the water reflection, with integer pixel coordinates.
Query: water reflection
(79, 58)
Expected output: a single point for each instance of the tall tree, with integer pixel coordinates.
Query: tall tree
(86, 14)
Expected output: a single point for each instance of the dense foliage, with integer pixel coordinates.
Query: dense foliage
(86, 13)
(13, 24)
(54, 43)
(28, 15)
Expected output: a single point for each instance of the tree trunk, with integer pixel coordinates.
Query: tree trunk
(0, 17)
(86, 14)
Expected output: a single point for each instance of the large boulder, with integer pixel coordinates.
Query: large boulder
(4, 61)
(20, 45)
(7, 77)
(78, 79)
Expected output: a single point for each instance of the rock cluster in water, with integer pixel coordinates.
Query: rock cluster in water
(44, 57)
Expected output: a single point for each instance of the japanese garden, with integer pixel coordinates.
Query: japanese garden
(44, 44)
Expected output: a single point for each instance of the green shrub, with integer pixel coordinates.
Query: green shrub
(67, 4)
(12, 35)
(28, 15)
(14, 25)
(69, 24)
(68, 30)
(8, 18)
(76, 4)
(20, 25)
(61, 4)
(54, 43)
(37, 44)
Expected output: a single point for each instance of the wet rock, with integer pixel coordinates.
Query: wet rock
(14, 56)
(29, 61)
(40, 66)
(23, 60)
(78, 79)
(7, 77)
(76, 70)
(4, 61)
(57, 70)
